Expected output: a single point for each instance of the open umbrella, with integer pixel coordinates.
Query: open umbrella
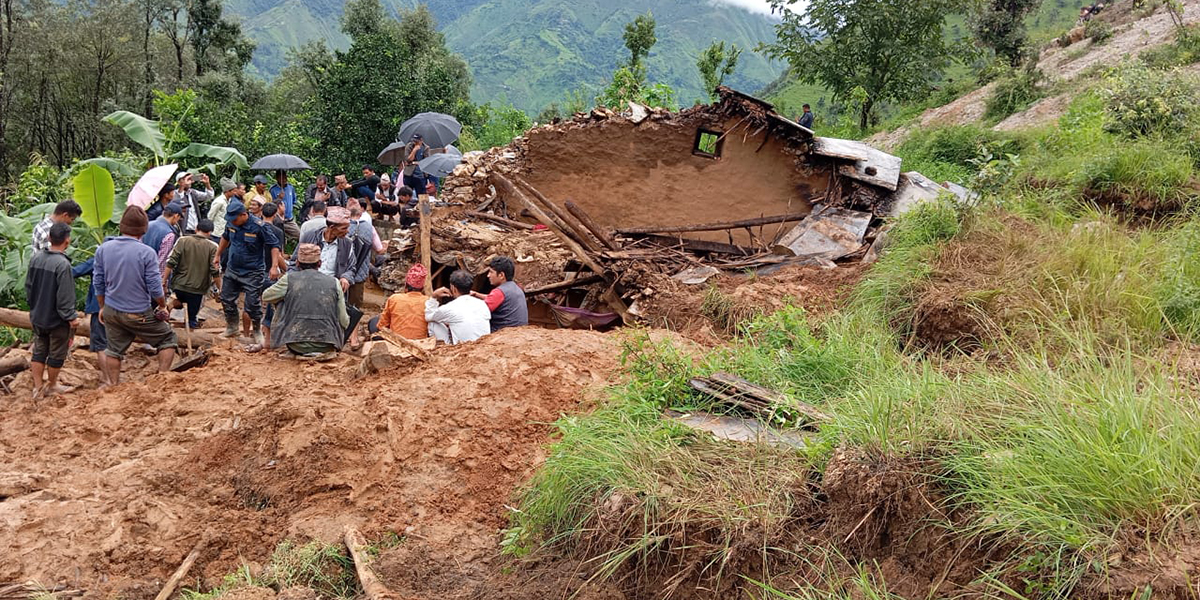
(280, 162)
(393, 154)
(442, 163)
(149, 185)
(436, 129)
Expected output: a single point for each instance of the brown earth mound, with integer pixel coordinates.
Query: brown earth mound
(252, 449)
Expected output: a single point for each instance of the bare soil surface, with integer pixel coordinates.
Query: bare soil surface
(108, 490)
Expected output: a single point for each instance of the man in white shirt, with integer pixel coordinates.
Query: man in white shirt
(463, 319)
(316, 217)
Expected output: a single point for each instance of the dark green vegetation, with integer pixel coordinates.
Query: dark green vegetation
(530, 52)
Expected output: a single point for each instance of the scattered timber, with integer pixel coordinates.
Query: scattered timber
(721, 226)
(740, 393)
(403, 343)
(698, 245)
(182, 571)
(499, 220)
(372, 587)
(564, 220)
(564, 285)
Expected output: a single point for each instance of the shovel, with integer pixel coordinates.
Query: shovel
(193, 359)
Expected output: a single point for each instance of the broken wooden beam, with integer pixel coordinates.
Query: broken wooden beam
(169, 587)
(499, 220)
(426, 245)
(697, 245)
(402, 342)
(585, 219)
(372, 587)
(564, 220)
(736, 391)
(721, 226)
(564, 285)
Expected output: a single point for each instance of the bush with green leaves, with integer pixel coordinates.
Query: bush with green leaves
(1098, 31)
(1140, 101)
(949, 153)
(1184, 51)
(1015, 91)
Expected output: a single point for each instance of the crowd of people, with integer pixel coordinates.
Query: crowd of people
(193, 243)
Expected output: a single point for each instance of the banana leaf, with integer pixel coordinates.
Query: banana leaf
(36, 213)
(13, 229)
(94, 192)
(223, 154)
(140, 129)
(113, 165)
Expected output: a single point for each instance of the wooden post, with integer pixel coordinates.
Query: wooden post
(609, 295)
(372, 587)
(586, 220)
(181, 572)
(426, 249)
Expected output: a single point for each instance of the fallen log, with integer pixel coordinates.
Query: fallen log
(20, 319)
(698, 245)
(714, 226)
(564, 285)
(586, 220)
(499, 220)
(182, 571)
(13, 364)
(372, 587)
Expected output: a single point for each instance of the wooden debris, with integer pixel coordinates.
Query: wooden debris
(499, 220)
(182, 571)
(18, 318)
(740, 393)
(565, 221)
(426, 247)
(372, 587)
(698, 245)
(721, 226)
(586, 220)
(410, 347)
(564, 285)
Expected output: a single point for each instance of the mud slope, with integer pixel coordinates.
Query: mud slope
(108, 490)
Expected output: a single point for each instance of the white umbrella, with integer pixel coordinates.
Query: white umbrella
(151, 183)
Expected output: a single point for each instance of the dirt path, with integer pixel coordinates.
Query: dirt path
(113, 487)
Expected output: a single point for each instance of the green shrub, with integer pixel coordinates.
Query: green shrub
(946, 153)
(1184, 51)
(1013, 93)
(1148, 172)
(1098, 31)
(1140, 101)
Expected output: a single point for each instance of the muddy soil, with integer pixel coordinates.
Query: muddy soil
(118, 484)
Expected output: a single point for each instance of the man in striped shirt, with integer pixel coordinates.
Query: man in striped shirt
(64, 212)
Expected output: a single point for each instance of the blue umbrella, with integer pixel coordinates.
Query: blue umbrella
(437, 129)
(442, 163)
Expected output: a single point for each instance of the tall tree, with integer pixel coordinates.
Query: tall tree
(178, 30)
(363, 17)
(715, 64)
(1000, 25)
(217, 42)
(639, 38)
(884, 49)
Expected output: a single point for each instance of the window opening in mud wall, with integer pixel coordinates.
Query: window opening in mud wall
(708, 143)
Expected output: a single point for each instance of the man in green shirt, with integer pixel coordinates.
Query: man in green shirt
(190, 271)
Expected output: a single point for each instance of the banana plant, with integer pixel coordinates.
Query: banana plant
(148, 134)
(95, 193)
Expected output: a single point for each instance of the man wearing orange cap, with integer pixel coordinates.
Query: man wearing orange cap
(405, 313)
(311, 317)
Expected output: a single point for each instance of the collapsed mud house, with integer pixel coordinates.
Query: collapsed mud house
(605, 211)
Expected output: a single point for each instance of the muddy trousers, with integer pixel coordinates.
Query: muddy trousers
(233, 285)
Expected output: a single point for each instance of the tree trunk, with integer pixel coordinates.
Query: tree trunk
(149, 96)
(864, 116)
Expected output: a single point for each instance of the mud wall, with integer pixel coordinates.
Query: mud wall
(629, 175)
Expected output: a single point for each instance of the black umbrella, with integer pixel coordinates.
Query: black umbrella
(436, 129)
(393, 154)
(280, 162)
(442, 163)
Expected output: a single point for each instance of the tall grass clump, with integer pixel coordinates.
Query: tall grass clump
(1015, 91)
(946, 153)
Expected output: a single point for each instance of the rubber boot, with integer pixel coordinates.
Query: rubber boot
(231, 330)
(256, 330)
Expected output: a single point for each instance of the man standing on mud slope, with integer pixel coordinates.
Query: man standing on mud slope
(246, 240)
(50, 290)
(311, 320)
(129, 288)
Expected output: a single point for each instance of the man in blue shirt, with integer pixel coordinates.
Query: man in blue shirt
(247, 241)
(283, 194)
(128, 290)
(98, 339)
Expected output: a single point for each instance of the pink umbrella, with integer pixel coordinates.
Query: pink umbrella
(148, 187)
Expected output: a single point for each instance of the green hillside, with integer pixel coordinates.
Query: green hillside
(533, 52)
(1048, 22)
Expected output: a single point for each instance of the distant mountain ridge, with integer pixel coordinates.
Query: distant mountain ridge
(534, 52)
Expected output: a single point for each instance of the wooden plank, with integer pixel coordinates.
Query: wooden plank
(398, 340)
(714, 226)
(182, 571)
(609, 296)
(564, 285)
(735, 383)
(585, 219)
(870, 165)
(698, 245)
(499, 220)
(372, 587)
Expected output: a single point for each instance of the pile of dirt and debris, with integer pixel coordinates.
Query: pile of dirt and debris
(107, 490)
